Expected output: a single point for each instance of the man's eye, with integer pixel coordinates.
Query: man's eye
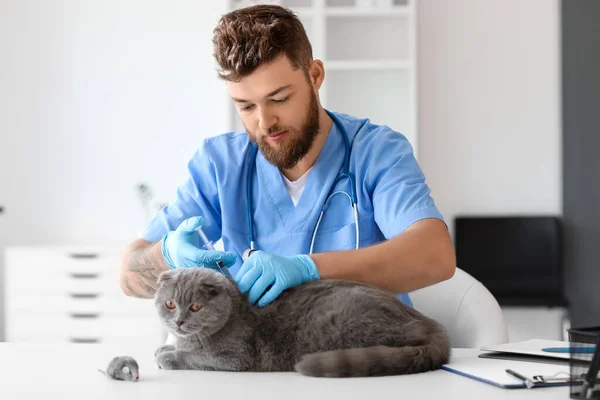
(280, 100)
(247, 108)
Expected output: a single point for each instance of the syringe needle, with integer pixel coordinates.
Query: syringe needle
(208, 244)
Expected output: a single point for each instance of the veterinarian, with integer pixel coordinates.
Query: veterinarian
(319, 194)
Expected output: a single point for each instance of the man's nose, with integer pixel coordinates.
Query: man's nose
(266, 119)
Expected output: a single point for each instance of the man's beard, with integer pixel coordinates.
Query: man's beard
(298, 143)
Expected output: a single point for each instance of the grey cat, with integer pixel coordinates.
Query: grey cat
(322, 328)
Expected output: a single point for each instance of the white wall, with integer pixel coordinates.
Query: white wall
(490, 118)
(489, 105)
(96, 96)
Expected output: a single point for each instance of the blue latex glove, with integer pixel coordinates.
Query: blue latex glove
(262, 270)
(182, 248)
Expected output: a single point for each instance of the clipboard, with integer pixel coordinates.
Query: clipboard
(531, 348)
(534, 350)
(493, 372)
(501, 355)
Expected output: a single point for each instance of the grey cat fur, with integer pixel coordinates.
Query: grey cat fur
(322, 328)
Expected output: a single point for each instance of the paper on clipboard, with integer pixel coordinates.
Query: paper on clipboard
(531, 347)
(493, 372)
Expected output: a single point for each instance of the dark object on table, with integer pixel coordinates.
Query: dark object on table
(578, 338)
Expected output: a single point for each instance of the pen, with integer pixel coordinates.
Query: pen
(209, 246)
(585, 350)
(528, 382)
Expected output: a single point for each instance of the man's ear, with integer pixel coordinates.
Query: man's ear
(316, 74)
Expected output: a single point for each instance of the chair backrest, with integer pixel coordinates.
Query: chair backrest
(468, 311)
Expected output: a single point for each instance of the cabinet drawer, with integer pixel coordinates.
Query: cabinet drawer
(152, 342)
(52, 271)
(48, 260)
(81, 302)
(60, 284)
(85, 327)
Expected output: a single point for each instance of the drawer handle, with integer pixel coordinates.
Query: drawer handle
(84, 340)
(83, 295)
(84, 275)
(83, 255)
(84, 315)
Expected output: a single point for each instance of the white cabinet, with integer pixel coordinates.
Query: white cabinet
(368, 49)
(57, 295)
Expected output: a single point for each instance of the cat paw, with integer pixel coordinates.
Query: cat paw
(161, 349)
(167, 360)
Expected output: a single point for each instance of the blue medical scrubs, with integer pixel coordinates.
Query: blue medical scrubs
(390, 187)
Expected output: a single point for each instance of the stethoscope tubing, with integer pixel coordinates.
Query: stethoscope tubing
(344, 174)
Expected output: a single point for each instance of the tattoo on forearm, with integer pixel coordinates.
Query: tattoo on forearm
(144, 272)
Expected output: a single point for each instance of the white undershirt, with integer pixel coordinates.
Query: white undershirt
(295, 188)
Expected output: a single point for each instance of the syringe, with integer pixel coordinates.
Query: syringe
(209, 246)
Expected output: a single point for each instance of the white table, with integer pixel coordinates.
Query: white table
(70, 372)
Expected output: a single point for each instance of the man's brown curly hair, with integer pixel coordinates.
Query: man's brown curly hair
(247, 38)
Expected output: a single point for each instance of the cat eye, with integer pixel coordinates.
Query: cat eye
(170, 304)
(196, 307)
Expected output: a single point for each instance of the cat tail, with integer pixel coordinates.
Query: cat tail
(374, 361)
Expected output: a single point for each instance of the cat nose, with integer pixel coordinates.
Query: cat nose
(179, 323)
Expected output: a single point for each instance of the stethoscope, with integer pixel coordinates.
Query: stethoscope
(343, 174)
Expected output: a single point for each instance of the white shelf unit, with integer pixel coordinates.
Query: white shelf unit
(68, 295)
(369, 52)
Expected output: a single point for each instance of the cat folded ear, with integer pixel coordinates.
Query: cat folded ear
(165, 277)
(212, 289)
